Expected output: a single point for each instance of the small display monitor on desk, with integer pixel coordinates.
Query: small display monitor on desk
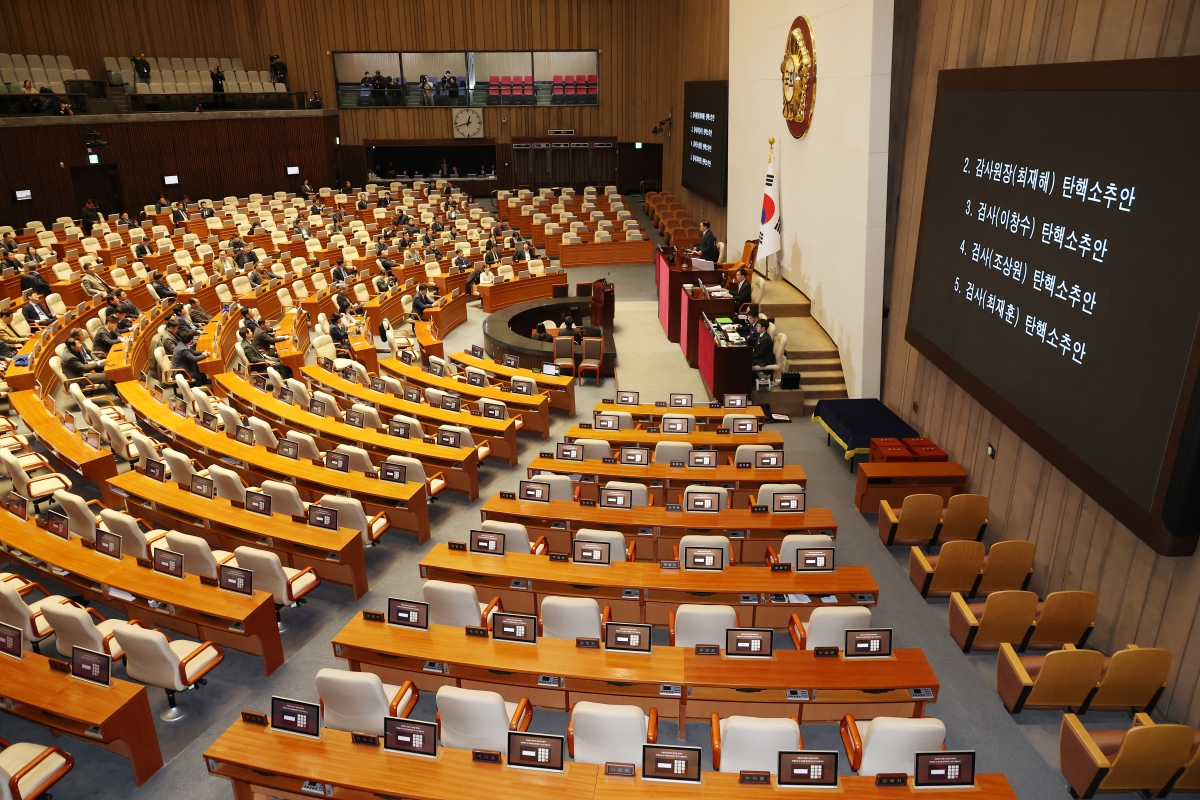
(788, 503)
(535, 751)
(616, 498)
(635, 456)
(514, 628)
(534, 490)
(393, 473)
(323, 517)
(11, 643)
(258, 502)
(670, 763)
(814, 559)
(768, 459)
(680, 401)
(408, 613)
(410, 737)
(736, 401)
(109, 544)
(296, 717)
(627, 398)
(944, 768)
(606, 422)
(674, 425)
(704, 558)
(236, 579)
(488, 543)
(702, 458)
(91, 666)
(568, 452)
(627, 636)
(591, 552)
(869, 643)
(708, 502)
(812, 768)
(748, 642)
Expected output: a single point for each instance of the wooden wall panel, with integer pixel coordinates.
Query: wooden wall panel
(1145, 598)
(213, 157)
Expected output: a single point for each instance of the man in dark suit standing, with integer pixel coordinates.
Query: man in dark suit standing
(740, 288)
(708, 243)
(89, 216)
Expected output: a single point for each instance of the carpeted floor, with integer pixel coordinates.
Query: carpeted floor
(1024, 748)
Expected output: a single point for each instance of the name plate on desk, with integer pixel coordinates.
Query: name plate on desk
(668, 564)
(620, 770)
(678, 464)
(609, 460)
(825, 652)
(475, 630)
(759, 509)
(708, 649)
(59, 666)
(207, 581)
(744, 465)
(754, 777)
(588, 503)
(586, 643)
(546, 455)
(486, 756)
(368, 739)
(559, 557)
(891, 779)
(652, 429)
(781, 567)
(722, 430)
(459, 546)
(674, 507)
(254, 717)
(508, 495)
(373, 616)
(660, 403)
(587, 426)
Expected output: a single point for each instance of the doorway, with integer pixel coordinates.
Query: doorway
(99, 182)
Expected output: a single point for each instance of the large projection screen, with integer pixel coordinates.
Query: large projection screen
(1057, 275)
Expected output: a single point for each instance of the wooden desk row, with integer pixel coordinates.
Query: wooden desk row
(508, 293)
(460, 464)
(666, 483)
(895, 480)
(501, 434)
(336, 556)
(656, 529)
(68, 449)
(638, 591)
(406, 504)
(600, 253)
(705, 413)
(535, 409)
(666, 678)
(204, 613)
(559, 388)
(725, 443)
(260, 762)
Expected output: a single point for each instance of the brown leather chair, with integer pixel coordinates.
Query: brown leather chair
(1065, 617)
(1008, 565)
(955, 569)
(965, 517)
(1063, 679)
(1003, 617)
(1145, 758)
(916, 523)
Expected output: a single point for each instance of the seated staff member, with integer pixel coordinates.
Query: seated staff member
(188, 358)
(741, 288)
(258, 360)
(493, 255)
(35, 312)
(10, 340)
(541, 335)
(74, 366)
(108, 334)
(764, 348)
(421, 302)
(523, 253)
(159, 285)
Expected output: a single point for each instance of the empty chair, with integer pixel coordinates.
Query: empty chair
(965, 517)
(80, 520)
(1134, 678)
(889, 744)
(516, 537)
(465, 439)
(598, 733)
(595, 449)
(75, 626)
(358, 701)
(264, 436)
(180, 467)
(697, 489)
(28, 770)
(767, 491)
(572, 618)
(564, 353)
(351, 515)
(469, 719)
(35, 489)
(714, 542)
(1004, 617)
(1063, 679)
(1008, 565)
(1146, 758)
(307, 446)
(617, 549)
(29, 618)
(917, 522)
(561, 487)
(134, 541)
(691, 625)
(956, 568)
(624, 418)
(666, 451)
(174, 666)
(227, 484)
(415, 471)
(641, 496)
(592, 357)
(198, 557)
(457, 605)
(289, 586)
(752, 743)
(284, 497)
(826, 627)
(1064, 618)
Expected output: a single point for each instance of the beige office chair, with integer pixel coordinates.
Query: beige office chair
(666, 451)
(358, 701)
(691, 624)
(28, 770)
(516, 537)
(598, 733)
(469, 719)
(457, 605)
(572, 618)
(351, 515)
(721, 492)
(29, 618)
(617, 549)
(889, 744)
(80, 520)
(288, 586)
(641, 496)
(76, 626)
(827, 627)
(794, 542)
(714, 542)
(415, 471)
(227, 484)
(752, 743)
(561, 487)
(174, 666)
(595, 449)
(134, 541)
(198, 557)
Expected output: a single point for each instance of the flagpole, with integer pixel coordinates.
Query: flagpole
(771, 257)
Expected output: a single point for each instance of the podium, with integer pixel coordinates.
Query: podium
(604, 306)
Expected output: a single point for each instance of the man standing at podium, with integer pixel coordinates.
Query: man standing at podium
(708, 243)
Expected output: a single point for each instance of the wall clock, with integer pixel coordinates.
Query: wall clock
(799, 73)
(468, 123)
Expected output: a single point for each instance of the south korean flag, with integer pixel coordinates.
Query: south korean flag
(771, 223)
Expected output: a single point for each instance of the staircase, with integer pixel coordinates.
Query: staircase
(810, 351)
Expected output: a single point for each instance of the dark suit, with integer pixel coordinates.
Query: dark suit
(162, 290)
(74, 367)
(187, 358)
(179, 215)
(88, 217)
(140, 251)
(36, 314)
(32, 280)
(207, 212)
(105, 339)
(492, 257)
(764, 351)
(708, 247)
(741, 293)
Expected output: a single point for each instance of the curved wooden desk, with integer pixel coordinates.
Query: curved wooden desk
(205, 613)
(460, 464)
(666, 483)
(756, 687)
(500, 433)
(406, 504)
(614, 252)
(724, 443)
(336, 556)
(535, 410)
(656, 529)
(507, 293)
(427, 342)
(704, 413)
(560, 388)
(449, 315)
(749, 589)
(116, 718)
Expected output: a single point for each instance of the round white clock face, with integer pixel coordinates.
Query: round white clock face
(468, 123)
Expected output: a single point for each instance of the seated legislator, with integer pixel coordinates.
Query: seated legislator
(741, 288)
(764, 348)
